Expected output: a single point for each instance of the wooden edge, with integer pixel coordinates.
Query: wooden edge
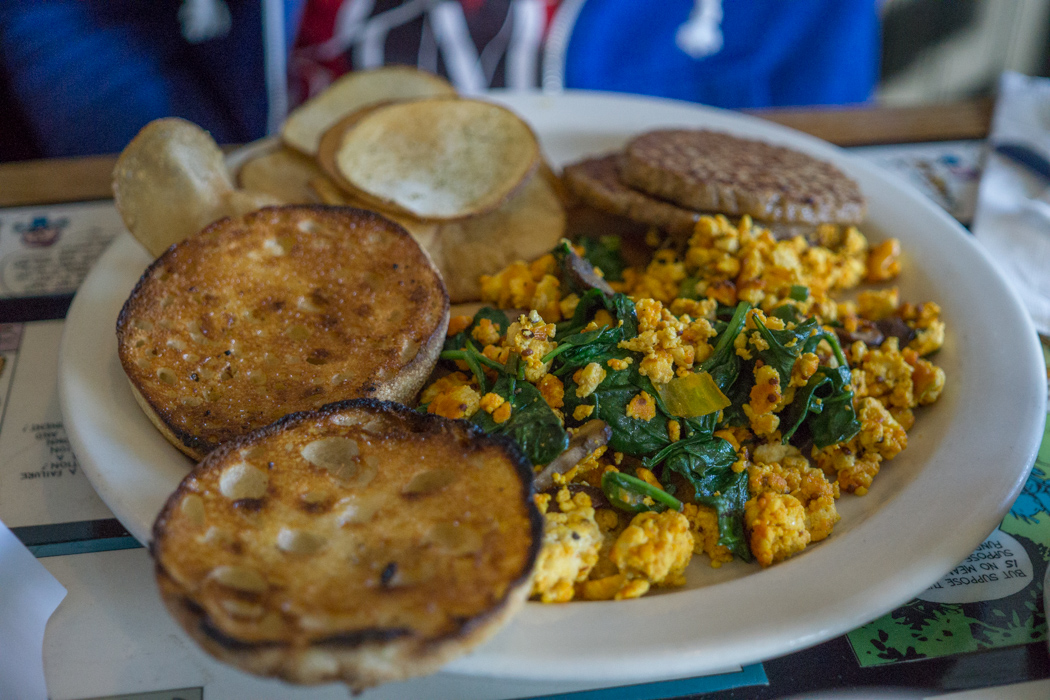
(56, 180)
(52, 180)
(863, 125)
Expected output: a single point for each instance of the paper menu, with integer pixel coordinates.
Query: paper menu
(45, 252)
(992, 599)
(40, 482)
(946, 172)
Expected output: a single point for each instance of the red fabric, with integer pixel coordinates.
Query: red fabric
(552, 7)
(306, 71)
(309, 71)
(318, 22)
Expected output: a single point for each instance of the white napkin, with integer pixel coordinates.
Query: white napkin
(28, 596)
(1012, 220)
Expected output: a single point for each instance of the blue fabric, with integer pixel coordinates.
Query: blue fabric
(293, 13)
(88, 74)
(775, 53)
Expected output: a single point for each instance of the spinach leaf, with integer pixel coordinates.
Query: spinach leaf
(837, 420)
(706, 462)
(833, 341)
(825, 404)
(806, 329)
(461, 345)
(459, 340)
(788, 313)
(588, 305)
(815, 333)
(577, 347)
(739, 394)
(632, 436)
(785, 346)
(724, 364)
(580, 349)
(824, 407)
(474, 359)
(702, 425)
(532, 423)
(622, 309)
(692, 457)
(604, 252)
(805, 403)
(728, 501)
(618, 305)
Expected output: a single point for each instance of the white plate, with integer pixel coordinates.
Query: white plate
(968, 456)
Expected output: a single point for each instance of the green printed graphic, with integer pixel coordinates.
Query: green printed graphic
(923, 629)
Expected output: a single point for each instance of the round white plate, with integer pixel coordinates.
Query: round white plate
(967, 459)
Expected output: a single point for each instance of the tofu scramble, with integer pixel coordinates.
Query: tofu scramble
(739, 397)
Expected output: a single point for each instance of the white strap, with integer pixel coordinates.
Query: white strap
(275, 49)
(701, 35)
(553, 77)
(461, 57)
(202, 20)
(524, 46)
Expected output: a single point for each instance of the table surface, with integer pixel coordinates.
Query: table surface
(88, 178)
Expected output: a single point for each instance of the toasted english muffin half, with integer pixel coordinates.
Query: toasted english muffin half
(713, 171)
(363, 542)
(281, 310)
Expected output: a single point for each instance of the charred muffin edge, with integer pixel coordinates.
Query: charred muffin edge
(415, 654)
(403, 386)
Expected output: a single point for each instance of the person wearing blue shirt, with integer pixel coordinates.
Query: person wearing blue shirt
(83, 76)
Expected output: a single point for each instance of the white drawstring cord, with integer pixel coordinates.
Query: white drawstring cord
(701, 35)
(202, 20)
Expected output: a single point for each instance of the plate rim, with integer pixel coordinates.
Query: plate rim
(501, 657)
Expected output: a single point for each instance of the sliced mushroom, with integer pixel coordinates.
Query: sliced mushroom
(866, 332)
(590, 436)
(874, 334)
(895, 327)
(580, 271)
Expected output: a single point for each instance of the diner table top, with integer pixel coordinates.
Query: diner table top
(830, 667)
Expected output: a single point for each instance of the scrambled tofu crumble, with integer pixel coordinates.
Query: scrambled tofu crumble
(805, 397)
